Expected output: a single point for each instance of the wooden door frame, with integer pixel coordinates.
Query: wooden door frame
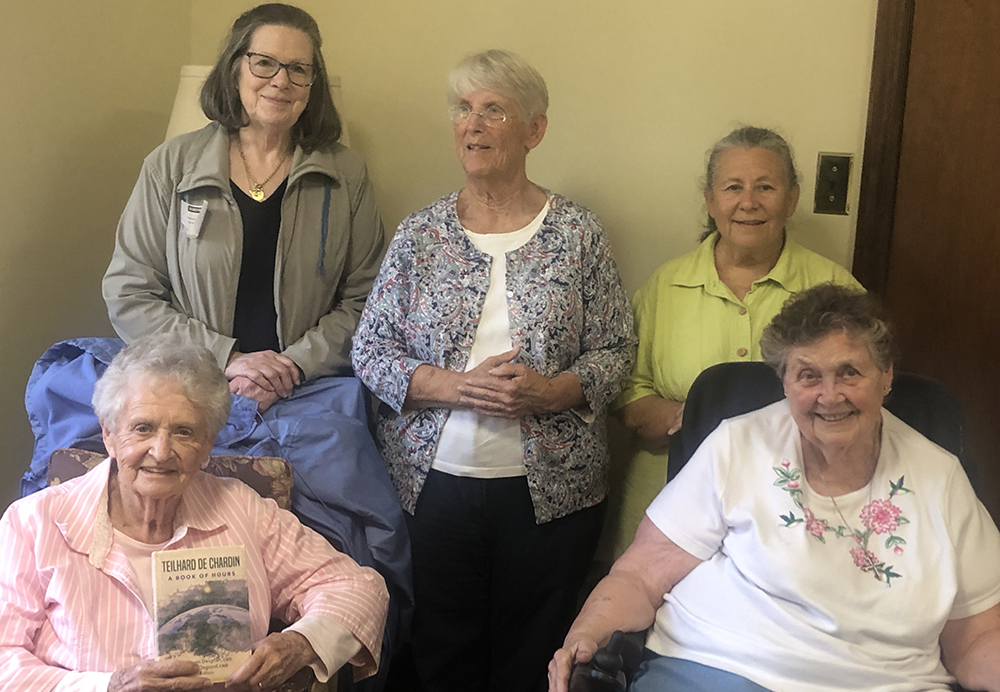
(883, 142)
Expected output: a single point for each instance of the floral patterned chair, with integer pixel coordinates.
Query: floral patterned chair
(269, 476)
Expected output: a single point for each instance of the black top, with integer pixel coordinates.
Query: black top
(255, 323)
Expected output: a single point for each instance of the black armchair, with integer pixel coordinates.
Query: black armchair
(732, 389)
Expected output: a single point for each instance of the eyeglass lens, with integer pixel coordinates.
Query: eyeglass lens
(491, 114)
(265, 67)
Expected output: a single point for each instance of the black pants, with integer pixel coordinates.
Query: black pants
(495, 592)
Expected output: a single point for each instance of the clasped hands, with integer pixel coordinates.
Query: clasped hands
(502, 388)
(264, 376)
(276, 659)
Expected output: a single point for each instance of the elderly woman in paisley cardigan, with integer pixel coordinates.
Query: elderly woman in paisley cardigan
(496, 334)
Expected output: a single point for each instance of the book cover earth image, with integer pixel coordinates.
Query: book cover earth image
(210, 620)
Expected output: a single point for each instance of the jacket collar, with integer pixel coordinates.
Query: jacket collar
(209, 167)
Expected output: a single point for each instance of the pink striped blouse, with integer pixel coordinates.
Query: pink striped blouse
(69, 599)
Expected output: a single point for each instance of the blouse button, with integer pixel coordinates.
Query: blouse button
(743, 310)
(741, 352)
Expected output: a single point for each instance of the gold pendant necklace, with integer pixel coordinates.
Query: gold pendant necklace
(871, 565)
(257, 189)
(869, 557)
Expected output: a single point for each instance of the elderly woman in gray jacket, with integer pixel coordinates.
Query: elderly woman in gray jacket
(258, 236)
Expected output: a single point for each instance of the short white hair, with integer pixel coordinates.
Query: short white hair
(504, 72)
(159, 357)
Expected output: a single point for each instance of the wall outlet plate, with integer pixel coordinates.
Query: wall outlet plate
(833, 179)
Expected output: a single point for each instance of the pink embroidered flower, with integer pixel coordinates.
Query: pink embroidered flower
(793, 484)
(785, 463)
(813, 525)
(898, 550)
(880, 516)
(862, 557)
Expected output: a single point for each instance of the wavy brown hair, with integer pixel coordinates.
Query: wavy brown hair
(319, 125)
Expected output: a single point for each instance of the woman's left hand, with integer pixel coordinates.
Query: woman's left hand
(575, 650)
(514, 390)
(278, 658)
(244, 386)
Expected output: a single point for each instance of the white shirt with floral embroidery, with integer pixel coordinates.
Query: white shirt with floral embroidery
(796, 599)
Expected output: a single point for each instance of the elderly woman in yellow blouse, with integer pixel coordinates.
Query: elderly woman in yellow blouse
(711, 305)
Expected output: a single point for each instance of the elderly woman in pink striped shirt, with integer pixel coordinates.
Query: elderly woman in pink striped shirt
(76, 575)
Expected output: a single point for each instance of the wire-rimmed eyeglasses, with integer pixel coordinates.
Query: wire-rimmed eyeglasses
(491, 115)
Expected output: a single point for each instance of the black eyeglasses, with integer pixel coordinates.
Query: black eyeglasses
(264, 66)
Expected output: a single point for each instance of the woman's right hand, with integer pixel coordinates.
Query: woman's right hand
(573, 651)
(653, 419)
(431, 386)
(152, 676)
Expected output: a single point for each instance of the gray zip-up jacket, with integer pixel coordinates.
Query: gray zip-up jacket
(179, 246)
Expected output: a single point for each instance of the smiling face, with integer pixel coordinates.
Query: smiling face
(835, 392)
(275, 103)
(160, 441)
(751, 198)
(495, 150)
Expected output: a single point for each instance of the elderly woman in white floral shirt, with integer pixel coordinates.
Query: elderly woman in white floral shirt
(496, 334)
(816, 545)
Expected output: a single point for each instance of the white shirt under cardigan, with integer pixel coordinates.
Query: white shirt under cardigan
(775, 604)
(473, 444)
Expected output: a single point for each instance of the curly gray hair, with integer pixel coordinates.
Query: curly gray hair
(823, 309)
(157, 357)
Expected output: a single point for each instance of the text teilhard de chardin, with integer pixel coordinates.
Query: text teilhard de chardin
(200, 563)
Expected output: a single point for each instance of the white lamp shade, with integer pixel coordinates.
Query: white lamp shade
(187, 116)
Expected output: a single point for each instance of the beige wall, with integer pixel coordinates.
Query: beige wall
(639, 90)
(85, 96)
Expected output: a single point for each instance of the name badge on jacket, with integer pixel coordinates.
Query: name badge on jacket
(192, 216)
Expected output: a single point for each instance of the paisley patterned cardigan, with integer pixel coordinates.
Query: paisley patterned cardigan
(568, 313)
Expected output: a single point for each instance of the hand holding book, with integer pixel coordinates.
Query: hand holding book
(277, 658)
(154, 675)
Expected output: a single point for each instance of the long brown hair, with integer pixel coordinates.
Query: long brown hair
(319, 125)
